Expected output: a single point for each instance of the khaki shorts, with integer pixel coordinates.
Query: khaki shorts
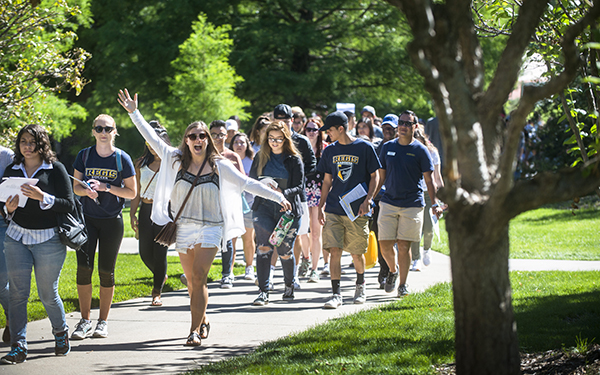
(399, 223)
(339, 231)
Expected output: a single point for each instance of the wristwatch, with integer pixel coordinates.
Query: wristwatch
(108, 186)
(434, 205)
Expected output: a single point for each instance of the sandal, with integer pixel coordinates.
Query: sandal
(156, 301)
(193, 340)
(204, 330)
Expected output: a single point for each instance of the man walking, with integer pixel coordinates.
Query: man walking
(345, 164)
(405, 166)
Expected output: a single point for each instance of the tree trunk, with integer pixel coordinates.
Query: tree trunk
(486, 333)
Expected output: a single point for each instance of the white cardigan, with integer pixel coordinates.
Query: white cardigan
(231, 184)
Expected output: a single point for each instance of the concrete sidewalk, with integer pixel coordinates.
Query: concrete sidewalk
(149, 340)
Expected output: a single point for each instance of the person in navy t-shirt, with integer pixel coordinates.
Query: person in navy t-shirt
(406, 167)
(346, 163)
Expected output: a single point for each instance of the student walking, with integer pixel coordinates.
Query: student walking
(6, 158)
(213, 212)
(108, 177)
(346, 163)
(153, 254)
(32, 239)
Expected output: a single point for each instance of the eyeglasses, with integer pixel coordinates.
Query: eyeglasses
(218, 135)
(311, 130)
(193, 136)
(408, 124)
(276, 140)
(106, 129)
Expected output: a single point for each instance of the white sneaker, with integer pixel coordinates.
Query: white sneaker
(325, 270)
(335, 302)
(82, 330)
(101, 329)
(314, 277)
(249, 273)
(426, 257)
(297, 284)
(416, 265)
(360, 294)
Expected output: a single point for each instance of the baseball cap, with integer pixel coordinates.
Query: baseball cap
(391, 119)
(337, 118)
(369, 109)
(231, 125)
(282, 112)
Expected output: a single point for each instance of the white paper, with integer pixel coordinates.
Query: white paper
(353, 195)
(12, 186)
(435, 223)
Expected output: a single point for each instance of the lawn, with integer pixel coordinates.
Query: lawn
(411, 336)
(553, 232)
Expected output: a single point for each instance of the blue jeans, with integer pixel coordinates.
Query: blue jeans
(46, 259)
(265, 219)
(227, 259)
(4, 297)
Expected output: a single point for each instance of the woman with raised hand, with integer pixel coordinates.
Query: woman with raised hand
(213, 214)
(108, 177)
(153, 254)
(279, 165)
(32, 239)
(240, 144)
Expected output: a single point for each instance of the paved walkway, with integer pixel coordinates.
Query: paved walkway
(149, 340)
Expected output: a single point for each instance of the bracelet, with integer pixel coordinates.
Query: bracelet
(434, 205)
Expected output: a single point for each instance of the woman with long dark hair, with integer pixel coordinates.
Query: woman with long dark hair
(32, 238)
(108, 177)
(279, 165)
(213, 213)
(153, 254)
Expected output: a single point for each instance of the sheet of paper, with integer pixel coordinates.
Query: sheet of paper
(352, 200)
(12, 186)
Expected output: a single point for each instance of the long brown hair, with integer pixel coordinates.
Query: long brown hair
(317, 121)
(42, 143)
(424, 139)
(185, 156)
(264, 154)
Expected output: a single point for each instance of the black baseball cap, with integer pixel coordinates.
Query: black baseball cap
(337, 118)
(282, 112)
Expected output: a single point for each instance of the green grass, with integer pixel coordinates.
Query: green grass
(126, 224)
(548, 233)
(553, 310)
(132, 280)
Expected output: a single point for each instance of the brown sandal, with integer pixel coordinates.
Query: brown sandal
(156, 301)
(193, 340)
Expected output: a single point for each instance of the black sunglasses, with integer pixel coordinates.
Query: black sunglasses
(405, 123)
(106, 129)
(312, 130)
(192, 136)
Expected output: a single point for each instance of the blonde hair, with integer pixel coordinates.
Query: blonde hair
(111, 120)
(264, 154)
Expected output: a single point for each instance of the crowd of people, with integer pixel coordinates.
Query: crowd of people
(284, 188)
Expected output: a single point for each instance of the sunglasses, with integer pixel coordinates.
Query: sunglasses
(312, 130)
(408, 124)
(106, 129)
(276, 140)
(193, 136)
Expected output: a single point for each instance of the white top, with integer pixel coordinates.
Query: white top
(145, 176)
(231, 183)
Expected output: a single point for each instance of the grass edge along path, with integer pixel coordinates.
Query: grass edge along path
(554, 309)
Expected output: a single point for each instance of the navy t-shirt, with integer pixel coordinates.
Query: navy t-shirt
(404, 167)
(104, 170)
(349, 165)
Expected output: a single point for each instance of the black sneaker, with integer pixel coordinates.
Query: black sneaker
(263, 299)
(17, 354)
(62, 346)
(390, 282)
(288, 295)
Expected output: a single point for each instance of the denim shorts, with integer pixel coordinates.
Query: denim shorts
(190, 235)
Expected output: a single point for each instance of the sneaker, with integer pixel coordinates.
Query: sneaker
(288, 295)
(335, 302)
(390, 282)
(402, 290)
(101, 330)
(226, 282)
(426, 257)
(183, 279)
(82, 330)
(17, 354)
(382, 283)
(297, 284)
(360, 294)
(314, 277)
(263, 299)
(416, 265)
(249, 273)
(304, 265)
(61, 343)
(325, 270)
